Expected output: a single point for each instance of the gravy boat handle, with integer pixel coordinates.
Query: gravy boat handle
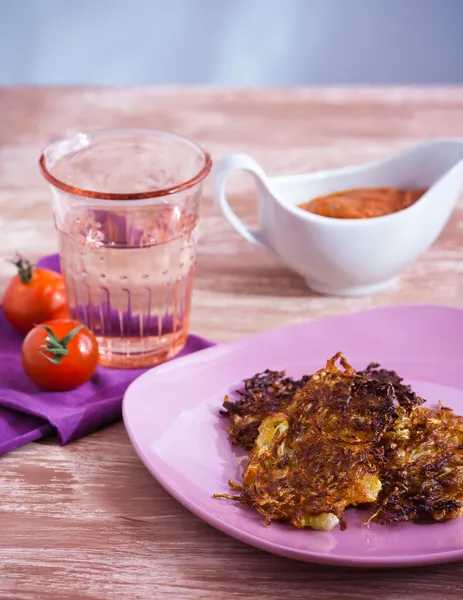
(219, 178)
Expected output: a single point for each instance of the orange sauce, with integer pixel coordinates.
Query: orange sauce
(363, 203)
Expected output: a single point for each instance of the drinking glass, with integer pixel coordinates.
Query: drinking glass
(125, 204)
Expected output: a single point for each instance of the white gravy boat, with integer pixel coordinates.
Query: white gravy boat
(350, 256)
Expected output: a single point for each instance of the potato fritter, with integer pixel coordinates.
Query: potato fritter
(406, 397)
(262, 395)
(338, 439)
(422, 475)
(320, 454)
(270, 392)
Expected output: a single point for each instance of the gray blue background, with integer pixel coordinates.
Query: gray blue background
(231, 42)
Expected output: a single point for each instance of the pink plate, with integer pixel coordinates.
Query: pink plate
(172, 417)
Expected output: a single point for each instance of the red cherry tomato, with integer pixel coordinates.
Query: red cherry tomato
(60, 355)
(33, 296)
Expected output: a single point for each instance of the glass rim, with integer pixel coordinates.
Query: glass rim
(66, 187)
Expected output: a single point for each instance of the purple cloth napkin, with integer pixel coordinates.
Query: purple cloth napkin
(27, 413)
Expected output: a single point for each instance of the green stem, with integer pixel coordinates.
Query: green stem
(55, 346)
(25, 268)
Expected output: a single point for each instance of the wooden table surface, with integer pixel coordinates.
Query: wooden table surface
(87, 520)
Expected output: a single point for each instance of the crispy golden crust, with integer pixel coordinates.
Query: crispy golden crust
(262, 395)
(422, 474)
(319, 455)
(270, 392)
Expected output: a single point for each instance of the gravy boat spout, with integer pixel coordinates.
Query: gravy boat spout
(350, 256)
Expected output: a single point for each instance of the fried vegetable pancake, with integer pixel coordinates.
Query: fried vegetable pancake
(338, 439)
(262, 395)
(406, 397)
(422, 475)
(271, 391)
(320, 454)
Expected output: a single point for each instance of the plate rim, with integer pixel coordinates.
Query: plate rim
(382, 562)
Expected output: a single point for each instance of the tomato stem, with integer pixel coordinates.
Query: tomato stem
(25, 268)
(55, 346)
